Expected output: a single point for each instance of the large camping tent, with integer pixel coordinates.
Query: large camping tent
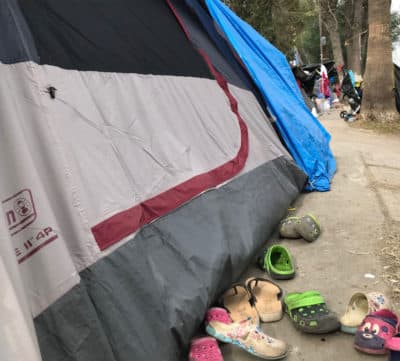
(140, 174)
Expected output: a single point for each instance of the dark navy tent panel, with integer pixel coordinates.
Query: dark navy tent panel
(306, 139)
(17, 43)
(79, 35)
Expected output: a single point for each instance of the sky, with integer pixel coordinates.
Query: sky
(396, 46)
(395, 6)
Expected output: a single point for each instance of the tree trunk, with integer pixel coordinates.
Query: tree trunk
(355, 42)
(364, 36)
(378, 99)
(328, 13)
(348, 34)
(336, 47)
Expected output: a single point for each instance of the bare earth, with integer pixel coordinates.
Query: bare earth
(360, 217)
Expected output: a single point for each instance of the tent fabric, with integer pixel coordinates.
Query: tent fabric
(17, 44)
(202, 34)
(98, 122)
(64, 40)
(200, 25)
(306, 139)
(148, 298)
(397, 86)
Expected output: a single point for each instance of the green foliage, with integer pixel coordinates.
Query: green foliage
(307, 41)
(289, 23)
(280, 21)
(395, 25)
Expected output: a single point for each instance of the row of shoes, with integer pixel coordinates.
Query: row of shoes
(369, 316)
(245, 305)
(376, 328)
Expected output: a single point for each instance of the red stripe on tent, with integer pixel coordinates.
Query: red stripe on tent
(121, 225)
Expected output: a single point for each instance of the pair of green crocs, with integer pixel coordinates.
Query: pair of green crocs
(306, 227)
(277, 262)
(309, 312)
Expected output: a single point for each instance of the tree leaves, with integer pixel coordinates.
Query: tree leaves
(280, 21)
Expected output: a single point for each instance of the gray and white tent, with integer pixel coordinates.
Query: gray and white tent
(140, 174)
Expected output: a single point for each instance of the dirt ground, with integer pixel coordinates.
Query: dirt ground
(359, 249)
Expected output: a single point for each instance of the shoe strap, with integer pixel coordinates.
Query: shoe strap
(298, 300)
(393, 343)
(234, 287)
(253, 298)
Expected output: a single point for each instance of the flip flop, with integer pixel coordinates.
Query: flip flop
(393, 345)
(309, 228)
(309, 312)
(248, 337)
(266, 296)
(277, 262)
(360, 305)
(238, 301)
(288, 228)
(376, 329)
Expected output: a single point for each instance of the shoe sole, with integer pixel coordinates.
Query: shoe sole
(282, 277)
(348, 329)
(331, 326)
(370, 350)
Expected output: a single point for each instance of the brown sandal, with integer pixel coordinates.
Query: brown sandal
(237, 300)
(266, 296)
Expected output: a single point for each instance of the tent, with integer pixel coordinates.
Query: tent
(140, 175)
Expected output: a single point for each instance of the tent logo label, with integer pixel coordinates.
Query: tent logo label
(26, 248)
(19, 211)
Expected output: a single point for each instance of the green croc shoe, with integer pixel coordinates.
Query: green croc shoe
(288, 228)
(277, 262)
(309, 228)
(309, 313)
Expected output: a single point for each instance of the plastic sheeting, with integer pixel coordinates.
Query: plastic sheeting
(306, 139)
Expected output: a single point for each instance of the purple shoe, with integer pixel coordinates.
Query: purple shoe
(376, 329)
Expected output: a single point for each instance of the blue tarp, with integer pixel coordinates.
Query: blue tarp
(305, 137)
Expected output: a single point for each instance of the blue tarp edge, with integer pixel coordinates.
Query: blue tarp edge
(305, 137)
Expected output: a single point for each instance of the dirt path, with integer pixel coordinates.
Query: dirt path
(360, 217)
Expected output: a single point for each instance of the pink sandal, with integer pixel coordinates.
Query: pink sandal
(376, 329)
(205, 349)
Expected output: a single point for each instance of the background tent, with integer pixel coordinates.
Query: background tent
(397, 86)
(306, 139)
